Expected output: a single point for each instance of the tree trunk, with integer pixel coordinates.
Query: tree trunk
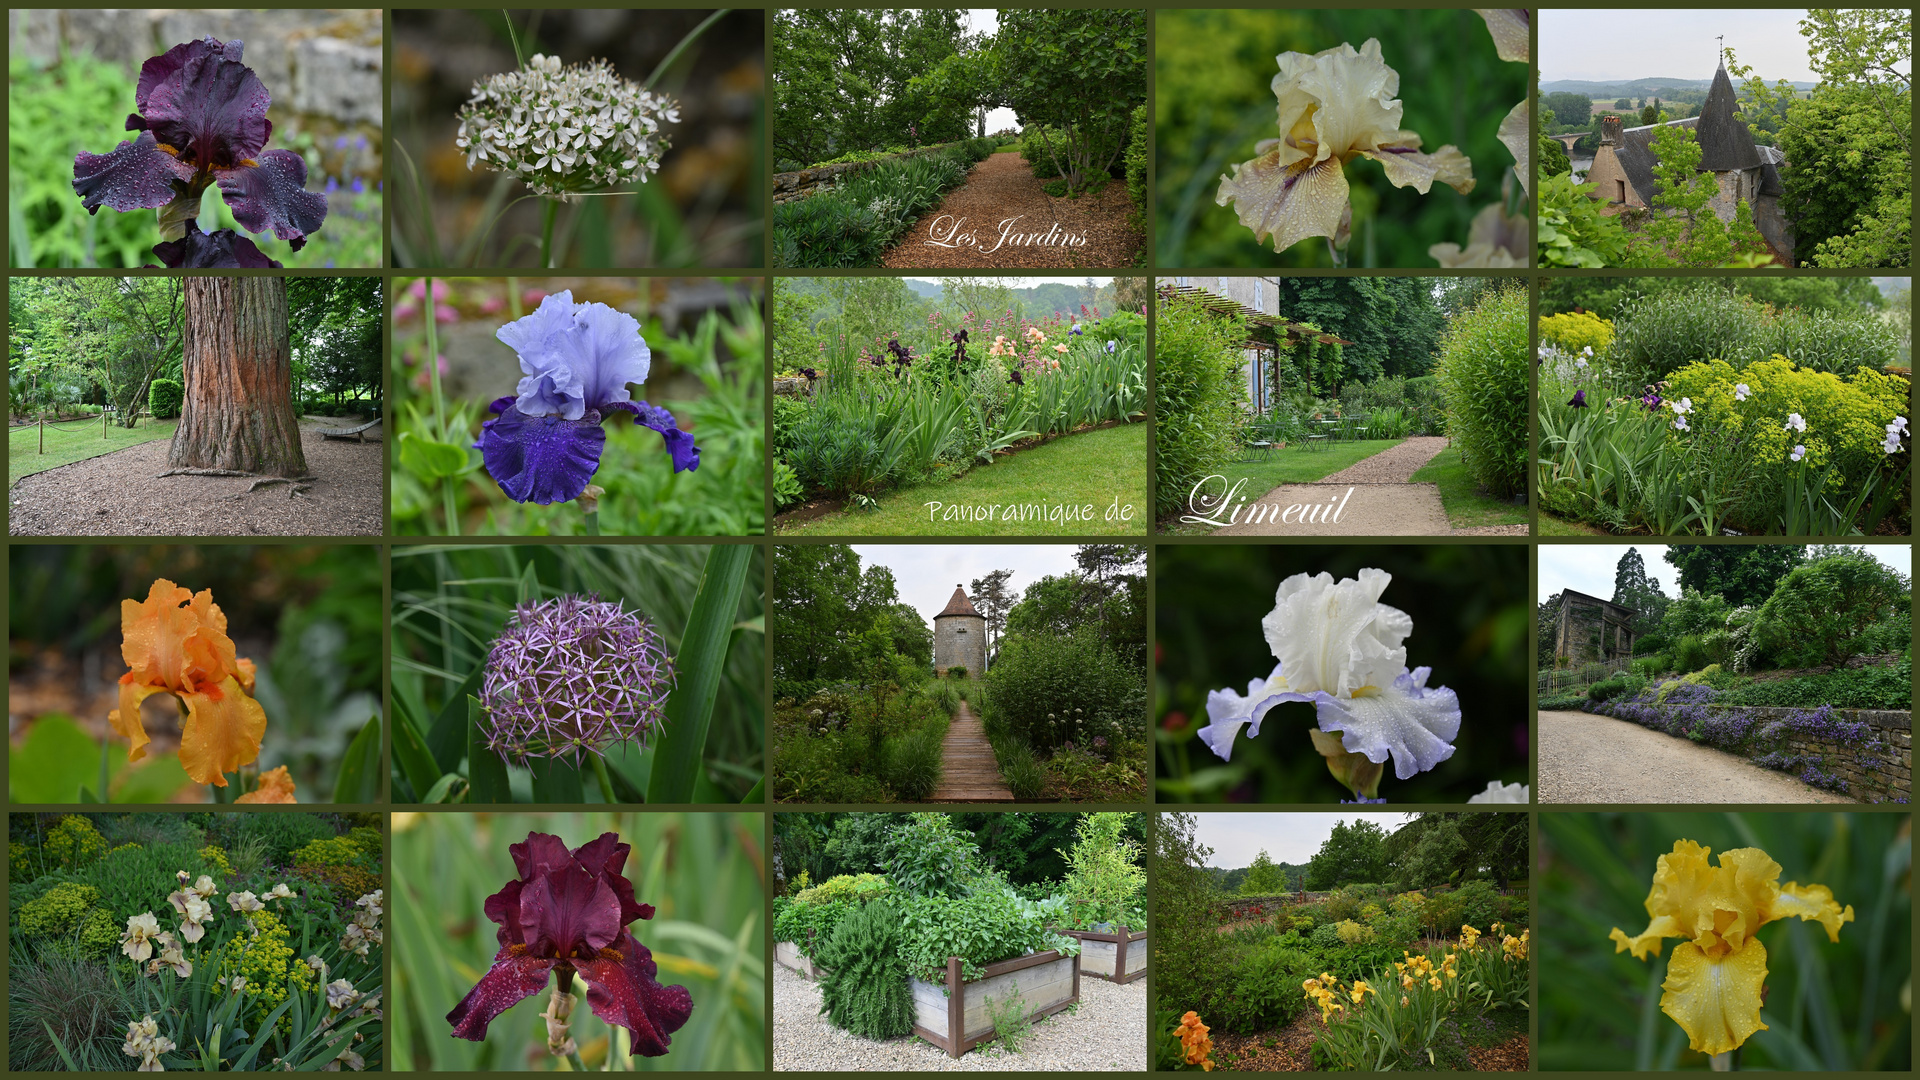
(238, 370)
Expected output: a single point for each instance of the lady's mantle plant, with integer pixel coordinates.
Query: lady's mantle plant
(202, 119)
(1340, 649)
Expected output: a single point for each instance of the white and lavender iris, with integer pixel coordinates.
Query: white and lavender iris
(578, 359)
(1341, 649)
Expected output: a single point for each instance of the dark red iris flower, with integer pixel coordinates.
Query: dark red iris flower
(568, 913)
(202, 120)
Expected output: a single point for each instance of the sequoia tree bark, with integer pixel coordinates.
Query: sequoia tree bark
(238, 369)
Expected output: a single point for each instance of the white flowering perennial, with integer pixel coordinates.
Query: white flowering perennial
(566, 130)
(365, 929)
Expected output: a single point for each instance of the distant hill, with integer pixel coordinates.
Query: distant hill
(1635, 88)
(926, 289)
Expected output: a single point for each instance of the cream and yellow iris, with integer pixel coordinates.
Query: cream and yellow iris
(1334, 106)
(1715, 976)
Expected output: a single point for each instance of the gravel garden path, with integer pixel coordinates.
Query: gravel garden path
(1002, 189)
(1373, 497)
(969, 771)
(122, 494)
(1585, 758)
(1108, 1033)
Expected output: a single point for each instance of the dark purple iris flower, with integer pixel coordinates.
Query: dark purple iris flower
(545, 444)
(202, 120)
(568, 913)
(1014, 378)
(1579, 399)
(223, 247)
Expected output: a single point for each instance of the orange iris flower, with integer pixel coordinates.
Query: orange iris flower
(275, 786)
(176, 642)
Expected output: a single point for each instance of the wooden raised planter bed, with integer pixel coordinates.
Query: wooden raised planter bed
(956, 1021)
(789, 956)
(1119, 957)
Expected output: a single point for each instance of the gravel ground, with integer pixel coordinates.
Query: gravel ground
(1389, 509)
(1395, 465)
(1107, 1034)
(122, 494)
(1597, 759)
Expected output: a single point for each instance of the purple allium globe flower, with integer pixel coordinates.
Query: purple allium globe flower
(572, 675)
(567, 913)
(202, 120)
(545, 444)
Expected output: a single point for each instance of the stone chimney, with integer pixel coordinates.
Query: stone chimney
(1610, 131)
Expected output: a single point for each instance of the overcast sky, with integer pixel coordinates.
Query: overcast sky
(987, 21)
(1024, 282)
(1286, 838)
(1622, 45)
(1589, 568)
(927, 573)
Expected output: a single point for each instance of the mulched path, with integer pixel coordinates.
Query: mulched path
(1292, 1050)
(121, 494)
(1002, 188)
(1509, 1056)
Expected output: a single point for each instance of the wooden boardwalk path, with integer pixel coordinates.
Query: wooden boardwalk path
(969, 771)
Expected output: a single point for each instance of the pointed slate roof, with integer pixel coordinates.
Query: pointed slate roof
(1725, 143)
(959, 605)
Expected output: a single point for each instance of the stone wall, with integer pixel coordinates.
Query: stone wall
(788, 186)
(1877, 769)
(958, 640)
(1590, 629)
(317, 63)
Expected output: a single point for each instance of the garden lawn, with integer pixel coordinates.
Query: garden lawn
(1093, 468)
(1549, 525)
(74, 441)
(1467, 504)
(1292, 465)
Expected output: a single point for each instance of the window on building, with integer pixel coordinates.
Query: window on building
(1259, 295)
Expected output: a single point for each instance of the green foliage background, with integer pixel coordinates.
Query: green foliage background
(703, 872)
(1213, 101)
(1829, 1007)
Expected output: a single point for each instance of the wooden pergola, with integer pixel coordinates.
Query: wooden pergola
(1264, 331)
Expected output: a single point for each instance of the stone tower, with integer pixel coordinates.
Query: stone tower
(960, 637)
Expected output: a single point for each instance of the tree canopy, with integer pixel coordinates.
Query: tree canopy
(833, 621)
(1634, 588)
(1744, 574)
(1354, 854)
(845, 79)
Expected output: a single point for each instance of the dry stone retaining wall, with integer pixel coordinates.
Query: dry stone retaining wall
(788, 186)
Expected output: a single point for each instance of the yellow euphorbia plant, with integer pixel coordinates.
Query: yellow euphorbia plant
(1715, 977)
(175, 642)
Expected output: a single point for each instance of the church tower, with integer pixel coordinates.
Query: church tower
(960, 637)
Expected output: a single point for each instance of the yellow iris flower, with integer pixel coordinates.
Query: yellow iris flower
(176, 642)
(1334, 106)
(1715, 977)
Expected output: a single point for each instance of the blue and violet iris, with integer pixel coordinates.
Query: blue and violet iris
(545, 444)
(202, 121)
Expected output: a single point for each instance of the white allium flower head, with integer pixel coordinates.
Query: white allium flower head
(565, 130)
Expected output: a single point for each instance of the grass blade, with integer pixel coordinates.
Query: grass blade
(411, 754)
(485, 771)
(60, 1046)
(448, 739)
(703, 656)
(757, 795)
(556, 781)
(359, 780)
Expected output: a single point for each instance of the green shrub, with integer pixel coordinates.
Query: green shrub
(958, 671)
(1862, 688)
(1344, 904)
(165, 398)
(368, 840)
(74, 843)
(910, 763)
(1326, 936)
(1136, 163)
(1353, 933)
(1025, 776)
(1607, 689)
(981, 928)
(827, 231)
(1484, 368)
(283, 833)
(1054, 689)
(1198, 392)
(1265, 989)
(1562, 702)
(858, 888)
(1657, 334)
(1479, 904)
(70, 916)
(133, 880)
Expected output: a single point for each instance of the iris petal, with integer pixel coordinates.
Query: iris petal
(513, 978)
(206, 104)
(1813, 902)
(623, 990)
(275, 786)
(126, 718)
(1717, 1002)
(568, 912)
(1228, 712)
(220, 248)
(680, 444)
(272, 195)
(222, 732)
(551, 387)
(1290, 202)
(135, 175)
(541, 459)
(607, 353)
(1405, 719)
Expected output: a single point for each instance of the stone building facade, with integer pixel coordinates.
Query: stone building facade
(960, 636)
(1589, 629)
(1744, 171)
(1260, 295)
